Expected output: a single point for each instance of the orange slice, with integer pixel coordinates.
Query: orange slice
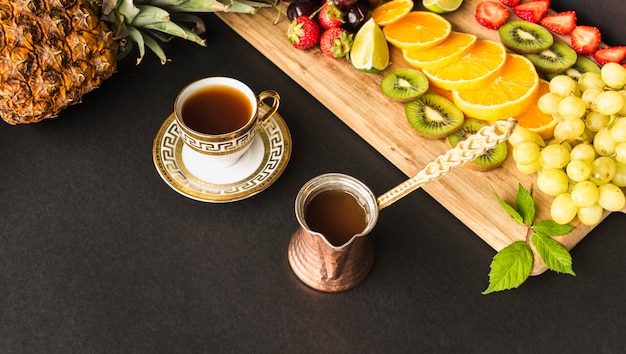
(476, 68)
(535, 120)
(391, 11)
(449, 51)
(508, 95)
(418, 30)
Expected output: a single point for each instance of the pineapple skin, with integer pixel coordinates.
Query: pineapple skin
(52, 52)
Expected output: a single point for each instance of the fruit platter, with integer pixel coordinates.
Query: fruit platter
(355, 97)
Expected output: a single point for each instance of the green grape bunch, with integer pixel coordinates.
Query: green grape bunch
(584, 166)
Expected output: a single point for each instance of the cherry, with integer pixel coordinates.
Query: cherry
(355, 16)
(301, 8)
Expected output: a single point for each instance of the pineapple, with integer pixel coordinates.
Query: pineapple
(52, 52)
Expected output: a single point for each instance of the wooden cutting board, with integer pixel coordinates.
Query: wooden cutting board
(356, 99)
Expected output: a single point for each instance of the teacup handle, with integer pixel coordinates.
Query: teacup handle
(273, 108)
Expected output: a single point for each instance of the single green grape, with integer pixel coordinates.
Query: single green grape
(563, 85)
(602, 170)
(562, 210)
(603, 143)
(614, 75)
(552, 181)
(548, 103)
(590, 80)
(554, 156)
(583, 151)
(611, 197)
(569, 129)
(584, 194)
(526, 152)
(595, 121)
(609, 102)
(578, 170)
(572, 107)
(591, 215)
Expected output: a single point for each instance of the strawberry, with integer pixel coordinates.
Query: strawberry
(560, 23)
(491, 14)
(532, 11)
(510, 3)
(303, 32)
(336, 42)
(585, 39)
(615, 54)
(330, 16)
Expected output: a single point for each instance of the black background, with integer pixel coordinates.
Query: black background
(98, 254)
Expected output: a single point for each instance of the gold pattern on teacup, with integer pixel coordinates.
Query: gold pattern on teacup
(219, 147)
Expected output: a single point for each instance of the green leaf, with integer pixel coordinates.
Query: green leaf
(552, 228)
(553, 254)
(510, 210)
(525, 205)
(510, 267)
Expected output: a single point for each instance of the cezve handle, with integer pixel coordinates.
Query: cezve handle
(467, 150)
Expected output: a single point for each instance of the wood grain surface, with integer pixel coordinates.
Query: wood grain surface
(356, 99)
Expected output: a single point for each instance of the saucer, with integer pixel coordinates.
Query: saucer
(257, 169)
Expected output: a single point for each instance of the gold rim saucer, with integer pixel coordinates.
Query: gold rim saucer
(274, 140)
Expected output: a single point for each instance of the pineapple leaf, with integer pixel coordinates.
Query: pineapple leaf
(155, 47)
(136, 36)
(126, 10)
(167, 27)
(150, 14)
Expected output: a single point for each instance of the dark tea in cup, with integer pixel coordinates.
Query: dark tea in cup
(218, 109)
(218, 118)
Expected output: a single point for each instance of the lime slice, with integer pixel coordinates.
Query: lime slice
(370, 52)
(442, 6)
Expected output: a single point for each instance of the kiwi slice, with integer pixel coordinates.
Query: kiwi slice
(556, 59)
(433, 116)
(491, 159)
(581, 66)
(525, 37)
(404, 84)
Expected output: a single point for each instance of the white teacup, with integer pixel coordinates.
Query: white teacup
(218, 117)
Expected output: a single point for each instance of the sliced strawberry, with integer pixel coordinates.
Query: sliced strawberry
(560, 23)
(491, 14)
(615, 54)
(510, 3)
(532, 11)
(585, 39)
